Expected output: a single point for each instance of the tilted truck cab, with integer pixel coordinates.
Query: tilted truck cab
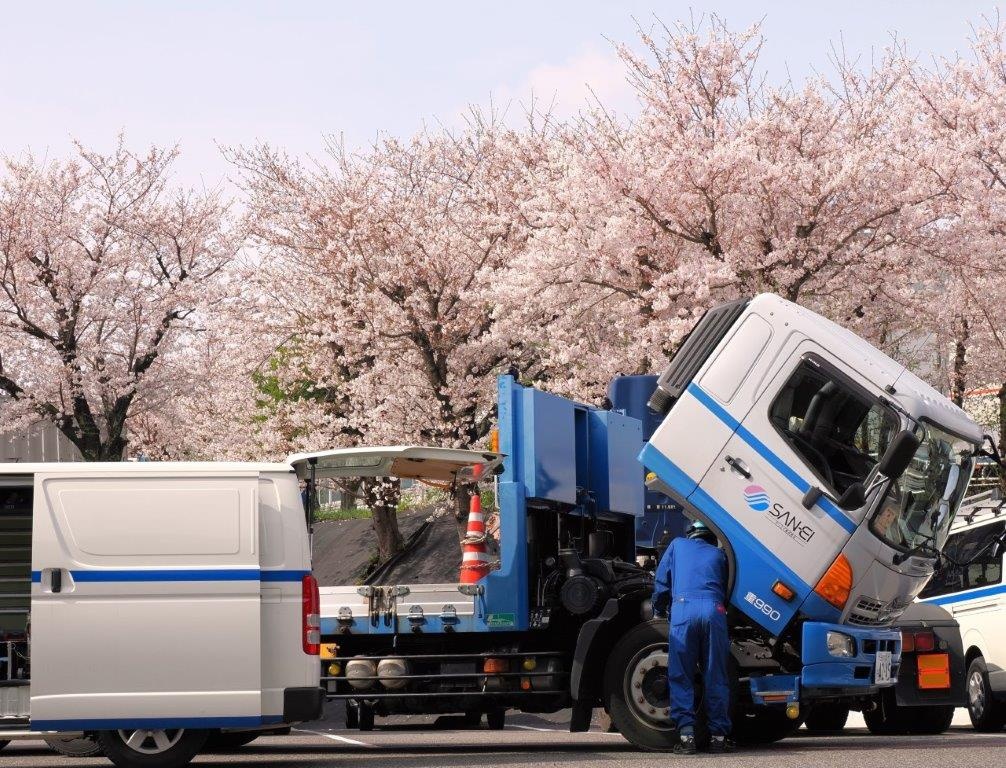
(151, 605)
(796, 415)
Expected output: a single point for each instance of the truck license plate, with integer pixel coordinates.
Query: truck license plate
(883, 668)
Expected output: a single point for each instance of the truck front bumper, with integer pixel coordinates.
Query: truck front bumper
(826, 675)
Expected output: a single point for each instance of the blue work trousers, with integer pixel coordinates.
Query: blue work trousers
(699, 642)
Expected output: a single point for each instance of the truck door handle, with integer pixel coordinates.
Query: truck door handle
(739, 467)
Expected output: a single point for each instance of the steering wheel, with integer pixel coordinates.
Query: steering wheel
(816, 458)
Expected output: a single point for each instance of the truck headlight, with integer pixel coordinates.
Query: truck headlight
(840, 644)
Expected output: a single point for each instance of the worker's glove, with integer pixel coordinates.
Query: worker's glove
(660, 605)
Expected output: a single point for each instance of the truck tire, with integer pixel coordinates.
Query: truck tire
(158, 748)
(228, 742)
(82, 746)
(496, 719)
(888, 719)
(635, 688)
(931, 721)
(987, 715)
(826, 718)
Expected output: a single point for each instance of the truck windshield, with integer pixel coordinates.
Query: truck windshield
(920, 506)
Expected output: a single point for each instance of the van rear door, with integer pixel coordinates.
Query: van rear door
(145, 600)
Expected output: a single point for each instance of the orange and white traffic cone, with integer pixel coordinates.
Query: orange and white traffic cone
(474, 560)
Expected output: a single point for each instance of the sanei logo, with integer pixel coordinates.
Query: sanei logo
(758, 500)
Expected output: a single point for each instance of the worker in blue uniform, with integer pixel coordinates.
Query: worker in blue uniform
(691, 582)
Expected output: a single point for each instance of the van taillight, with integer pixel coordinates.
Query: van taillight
(311, 615)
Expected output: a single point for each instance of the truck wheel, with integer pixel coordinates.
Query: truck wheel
(496, 719)
(987, 715)
(827, 718)
(888, 719)
(157, 748)
(635, 688)
(228, 742)
(352, 716)
(82, 746)
(365, 716)
(930, 721)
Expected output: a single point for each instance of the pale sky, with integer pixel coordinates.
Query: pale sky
(203, 73)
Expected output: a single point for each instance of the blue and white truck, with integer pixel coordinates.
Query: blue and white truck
(784, 433)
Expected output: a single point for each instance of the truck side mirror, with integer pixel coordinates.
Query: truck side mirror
(899, 454)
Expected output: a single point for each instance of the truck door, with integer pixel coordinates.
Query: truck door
(811, 425)
(145, 601)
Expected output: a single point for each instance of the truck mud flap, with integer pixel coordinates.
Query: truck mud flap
(578, 686)
(301, 705)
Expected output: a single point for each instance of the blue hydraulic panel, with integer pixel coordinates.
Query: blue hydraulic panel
(548, 446)
(663, 518)
(614, 476)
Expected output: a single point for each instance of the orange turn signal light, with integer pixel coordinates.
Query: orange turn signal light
(934, 671)
(494, 666)
(783, 591)
(494, 440)
(836, 584)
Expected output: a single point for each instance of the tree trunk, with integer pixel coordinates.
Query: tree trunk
(461, 500)
(1002, 434)
(349, 493)
(381, 496)
(958, 374)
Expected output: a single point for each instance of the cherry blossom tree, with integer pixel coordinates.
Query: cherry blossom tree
(102, 265)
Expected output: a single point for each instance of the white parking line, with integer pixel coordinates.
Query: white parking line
(337, 737)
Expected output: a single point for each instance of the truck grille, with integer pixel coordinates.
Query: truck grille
(872, 613)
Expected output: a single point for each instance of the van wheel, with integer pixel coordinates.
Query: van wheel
(827, 718)
(986, 713)
(153, 748)
(228, 742)
(82, 746)
(635, 688)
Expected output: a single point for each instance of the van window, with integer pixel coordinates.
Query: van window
(837, 430)
(961, 547)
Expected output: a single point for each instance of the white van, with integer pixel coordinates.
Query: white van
(975, 594)
(153, 605)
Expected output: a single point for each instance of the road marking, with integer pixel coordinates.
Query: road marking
(337, 737)
(558, 730)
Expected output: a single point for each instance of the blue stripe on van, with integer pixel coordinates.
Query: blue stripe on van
(766, 453)
(109, 724)
(164, 575)
(960, 597)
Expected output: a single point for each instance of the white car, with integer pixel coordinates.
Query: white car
(970, 585)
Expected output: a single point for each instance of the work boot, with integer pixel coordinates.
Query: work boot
(722, 744)
(685, 745)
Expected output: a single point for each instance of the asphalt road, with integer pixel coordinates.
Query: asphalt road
(539, 743)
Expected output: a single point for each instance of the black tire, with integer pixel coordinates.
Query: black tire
(82, 746)
(182, 746)
(4, 743)
(352, 716)
(473, 719)
(888, 719)
(764, 725)
(365, 717)
(641, 657)
(930, 721)
(987, 715)
(229, 742)
(496, 719)
(827, 718)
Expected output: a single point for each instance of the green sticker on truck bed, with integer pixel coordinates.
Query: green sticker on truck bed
(501, 620)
